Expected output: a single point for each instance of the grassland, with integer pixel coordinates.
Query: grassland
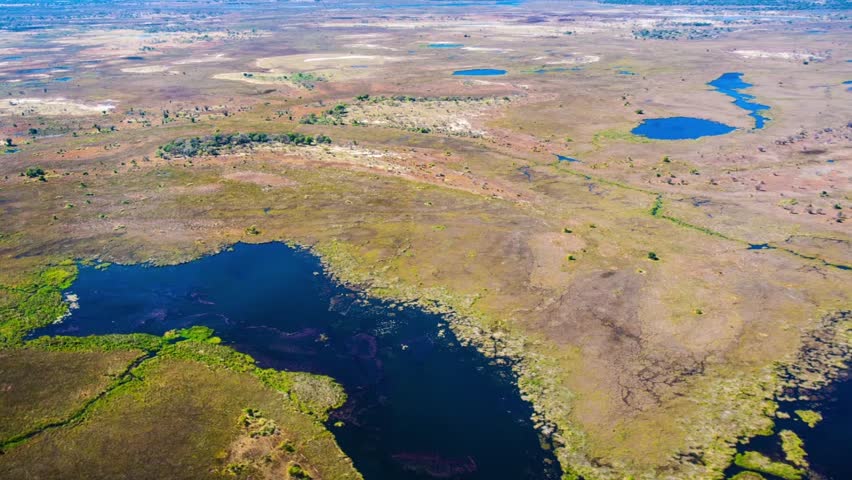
(637, 365)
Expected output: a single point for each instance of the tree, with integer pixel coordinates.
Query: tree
(9, 142)
(35, 172)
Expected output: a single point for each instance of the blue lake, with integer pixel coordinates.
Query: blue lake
(563, 158)
(687, 128)
(625, 72)
(731, 85)
(420, 404)
(680, 128)
(479, 72)
(446, 45)
(62, 79)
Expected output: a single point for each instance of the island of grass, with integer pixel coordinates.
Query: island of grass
(810, 417)
(759, 462)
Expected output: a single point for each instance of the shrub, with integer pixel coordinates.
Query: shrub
(214, 144)
(34, 172)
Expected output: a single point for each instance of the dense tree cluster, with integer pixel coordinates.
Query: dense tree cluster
(215, 144)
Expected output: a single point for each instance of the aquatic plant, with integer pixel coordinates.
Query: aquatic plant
(810, 417)
(793, 447)
(761, 463)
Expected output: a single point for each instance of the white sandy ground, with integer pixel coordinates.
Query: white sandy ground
(777, 55)
(344, 57)
(146, 69)
(372, 46)
(51, 107)
(219, 57)
(486, 49)
(576, 60)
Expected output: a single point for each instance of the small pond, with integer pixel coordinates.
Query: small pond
(479, 72)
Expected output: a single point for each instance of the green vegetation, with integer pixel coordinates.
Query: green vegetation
(33, 401)
(385, 213)
(34, 172)
(102, 343)
(411, 99)
(657, 209)
(809, 416)
(690, 31)
(793, 447)
(761, 463)
(306, 80)
(701, 229)
(92, 375)
(603, 136)
(297, 473)
(186, 412)
(748, 476)
(332, 116)
(257, 424)
(215, 144)
(33, 304)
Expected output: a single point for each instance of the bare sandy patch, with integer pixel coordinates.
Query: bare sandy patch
(373, 46)
(448, 116)
(219, 57)
(792, 56)
(260, 78)
(314, 62)
(578, 60)
(486, 49)
(51, 107)
(146, 69)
